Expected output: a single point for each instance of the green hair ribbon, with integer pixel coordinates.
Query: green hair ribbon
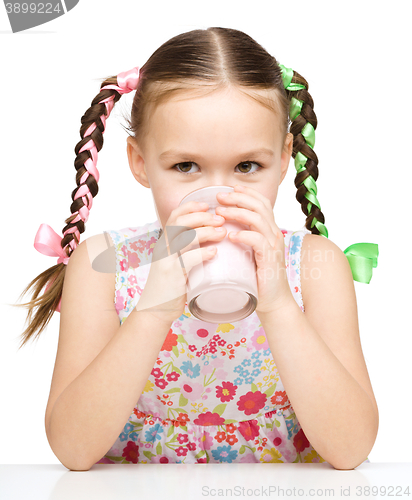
(362, 257)
(308, 133)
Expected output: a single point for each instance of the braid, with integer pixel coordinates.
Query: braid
(304, 123)
(87, 177)
(362, 257)
(47, 241)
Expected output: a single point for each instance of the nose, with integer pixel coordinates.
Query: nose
(219, 179)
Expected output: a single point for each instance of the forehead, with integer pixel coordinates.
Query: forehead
(222, 120)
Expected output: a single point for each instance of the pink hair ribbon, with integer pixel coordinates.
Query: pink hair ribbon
(47, 241)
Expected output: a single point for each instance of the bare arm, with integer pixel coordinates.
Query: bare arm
(92, 411)
(319, 358)
(101, 369)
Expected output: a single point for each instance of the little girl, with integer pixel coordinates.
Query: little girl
(288, 383)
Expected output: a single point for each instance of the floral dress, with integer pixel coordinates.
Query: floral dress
(214, 394)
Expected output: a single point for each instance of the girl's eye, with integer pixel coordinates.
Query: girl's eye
(186, 165)
(241, 165)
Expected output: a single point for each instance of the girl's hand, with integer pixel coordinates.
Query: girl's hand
(267, 241)
(165, 293)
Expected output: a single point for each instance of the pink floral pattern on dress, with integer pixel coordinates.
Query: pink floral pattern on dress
(214, 394)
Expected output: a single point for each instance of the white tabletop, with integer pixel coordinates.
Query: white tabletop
(180, 481)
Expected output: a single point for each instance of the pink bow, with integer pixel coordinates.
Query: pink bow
(127, 81)
(47, 242)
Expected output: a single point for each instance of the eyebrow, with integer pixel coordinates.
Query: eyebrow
(172, 153)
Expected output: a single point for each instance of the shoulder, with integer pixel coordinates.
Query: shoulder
(102, 253)
(90, 248)
(323, 267)
(92, 269)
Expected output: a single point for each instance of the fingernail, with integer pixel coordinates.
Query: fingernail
(223, 194)
(218, 217)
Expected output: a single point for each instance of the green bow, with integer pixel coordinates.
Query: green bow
(362, 257)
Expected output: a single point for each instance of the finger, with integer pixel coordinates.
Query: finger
(195, 237)
(192, 258)
(253, 201)
(180, 231)
(257, 241)
(196, 219)
(260, 244)
(242, 200)
(173, 240)
(256, 221)
(255, 194)
(173, 229)
(189, 207)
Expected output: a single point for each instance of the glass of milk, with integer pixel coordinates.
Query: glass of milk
(222, 289)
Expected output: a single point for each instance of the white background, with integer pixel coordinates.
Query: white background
(356, 58)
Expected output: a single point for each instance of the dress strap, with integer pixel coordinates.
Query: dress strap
(133, 247)
(293, 248)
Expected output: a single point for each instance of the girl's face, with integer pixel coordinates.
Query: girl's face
(224, 138)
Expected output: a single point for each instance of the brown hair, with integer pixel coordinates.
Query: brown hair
(195, 62)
